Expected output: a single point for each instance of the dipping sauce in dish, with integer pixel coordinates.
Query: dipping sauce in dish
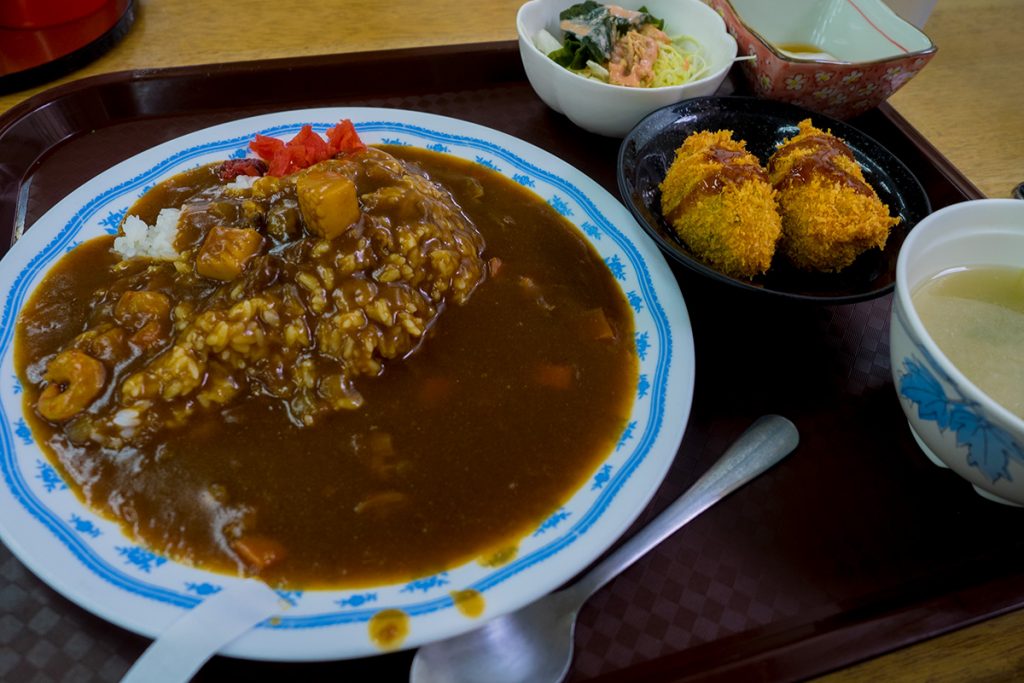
(976, 317)
(805, 51)
(369, 444)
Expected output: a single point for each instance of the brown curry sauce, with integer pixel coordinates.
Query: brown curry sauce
(458, 450)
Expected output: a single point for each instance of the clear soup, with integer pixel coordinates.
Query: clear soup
(976, 317)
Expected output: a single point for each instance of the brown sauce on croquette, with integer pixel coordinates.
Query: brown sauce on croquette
(721, 204)
(732, 171)
(812, 202)
(724, 155)
(830, 214)
(821, 161)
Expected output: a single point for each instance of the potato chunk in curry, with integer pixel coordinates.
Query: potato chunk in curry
(328, 202)
(225, 252)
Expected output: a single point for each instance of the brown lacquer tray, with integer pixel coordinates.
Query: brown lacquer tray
(852, 547)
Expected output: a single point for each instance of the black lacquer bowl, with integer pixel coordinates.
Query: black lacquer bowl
(648, 150)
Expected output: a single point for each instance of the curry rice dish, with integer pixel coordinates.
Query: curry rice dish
(371, 369)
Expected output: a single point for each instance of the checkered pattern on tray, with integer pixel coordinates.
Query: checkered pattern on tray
(783, 551)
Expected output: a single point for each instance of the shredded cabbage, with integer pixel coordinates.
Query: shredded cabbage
(596, 71)
(681, 61)
(546, 42)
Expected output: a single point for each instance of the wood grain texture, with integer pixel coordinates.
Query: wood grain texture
(969, 102)
(989, 652)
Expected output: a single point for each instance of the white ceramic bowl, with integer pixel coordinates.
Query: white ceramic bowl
(956, 423)
(613, 110)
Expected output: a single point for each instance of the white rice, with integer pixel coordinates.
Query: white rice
(149, 241)
(242, 182)
(126, 418)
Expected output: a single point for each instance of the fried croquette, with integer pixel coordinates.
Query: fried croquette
(717, 197)
(830, 214)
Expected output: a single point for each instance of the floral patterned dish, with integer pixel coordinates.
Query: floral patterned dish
(837, 57)
(89, 560)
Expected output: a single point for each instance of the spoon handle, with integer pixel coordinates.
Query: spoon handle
(182, 649)
(766, 442)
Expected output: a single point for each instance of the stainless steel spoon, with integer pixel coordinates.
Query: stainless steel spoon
(534, 644)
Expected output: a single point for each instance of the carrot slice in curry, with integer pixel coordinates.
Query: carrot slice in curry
(554, 376)
(259, 552)
(595, 324)
(494, 265)
(435, 390)
(382, 502)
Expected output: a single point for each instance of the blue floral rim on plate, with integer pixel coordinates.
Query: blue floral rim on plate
(77, 533)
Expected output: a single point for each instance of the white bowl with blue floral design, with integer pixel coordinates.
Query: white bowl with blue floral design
(957, 424)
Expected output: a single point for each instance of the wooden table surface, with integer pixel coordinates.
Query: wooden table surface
(969, 102)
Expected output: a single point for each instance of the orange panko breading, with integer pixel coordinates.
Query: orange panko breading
(718, 199)
(830, 215)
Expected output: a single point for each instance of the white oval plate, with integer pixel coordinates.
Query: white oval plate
(89, 560)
